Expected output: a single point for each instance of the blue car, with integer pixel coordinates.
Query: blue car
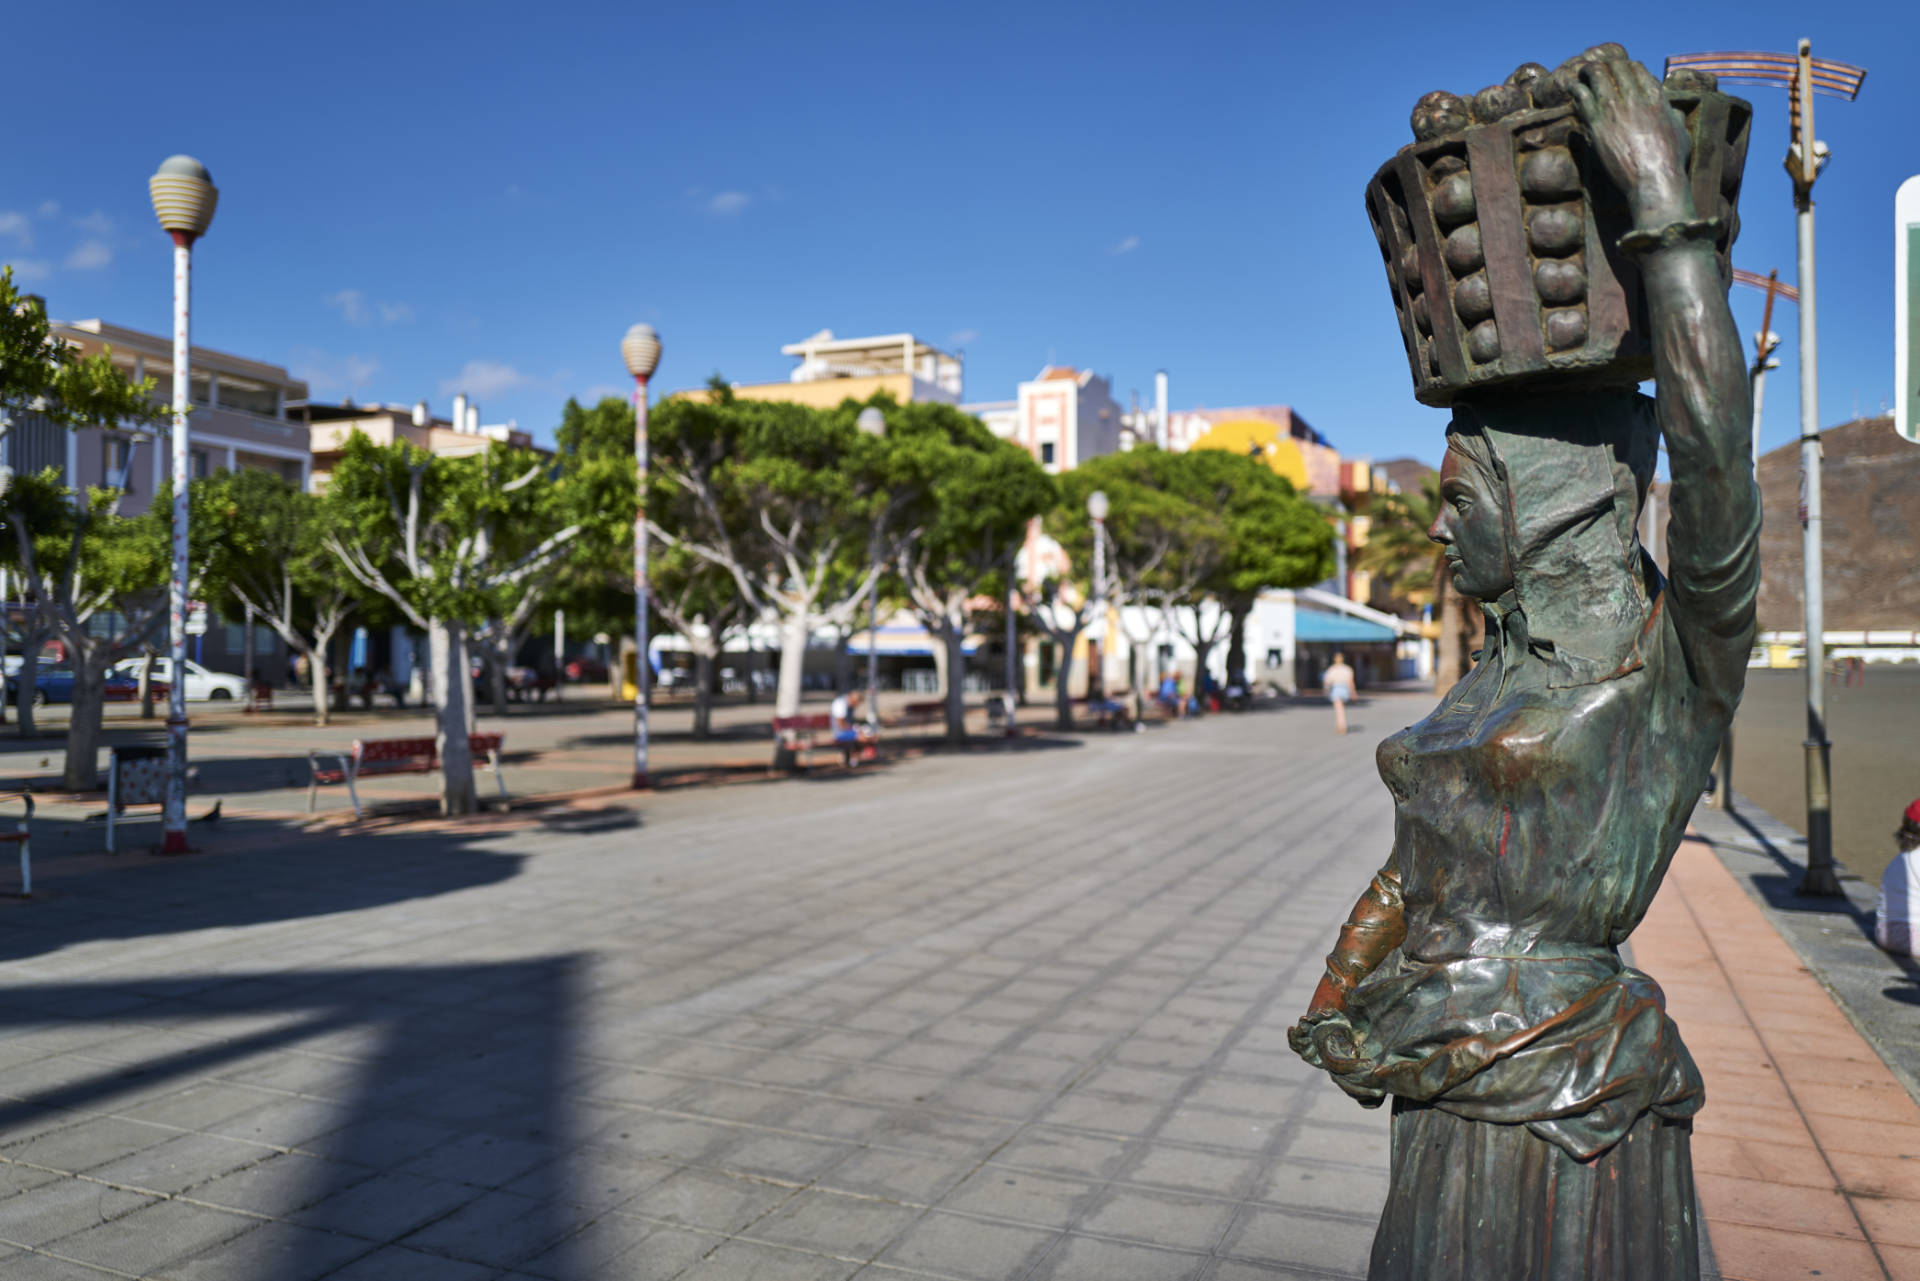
(55, 685)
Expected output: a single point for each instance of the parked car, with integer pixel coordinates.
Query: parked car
(54, 684)
(202, 685)
(586, 669)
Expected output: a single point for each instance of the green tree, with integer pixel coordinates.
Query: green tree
(263, 548)
(1414, 567)
(1274, 539)
(1162, 547)
(967, 499)
(443, 539)
(1058, 591)
(780, 496)
(85, 567)
(100, 578)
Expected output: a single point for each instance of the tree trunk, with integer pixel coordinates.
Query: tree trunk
(452, 704)
(146, 686)
(843, 658)
(24, 685)
(955, 637)
(1062, 691)
(500, 648)
(793, 657)
(321, 677)
(1237, 641)
(793, 660)
(616, 670)
(702, 694)
(83, 731)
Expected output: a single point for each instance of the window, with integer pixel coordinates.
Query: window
(1046, 453)
(120, 461)
(199, 464)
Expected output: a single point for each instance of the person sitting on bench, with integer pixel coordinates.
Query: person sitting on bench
(854, 737)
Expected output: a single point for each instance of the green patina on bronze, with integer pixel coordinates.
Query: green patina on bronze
(1541, 1095)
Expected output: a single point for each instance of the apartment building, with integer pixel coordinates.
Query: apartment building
(831, 370)
(1062, 416)
(457, 437)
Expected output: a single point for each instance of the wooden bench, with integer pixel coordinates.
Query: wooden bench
(394, 756)
(802, 734)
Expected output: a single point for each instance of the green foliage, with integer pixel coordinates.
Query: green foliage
(443, 537)
(259, 539)
(1161, 544)
(1275, 538)
(39, 373)
(1398, 551)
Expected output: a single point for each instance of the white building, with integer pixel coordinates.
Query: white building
(1063, 416)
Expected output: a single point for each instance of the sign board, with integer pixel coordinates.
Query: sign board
(196, 620)
(1906, 309)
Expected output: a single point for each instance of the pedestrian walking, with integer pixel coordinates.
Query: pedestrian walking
(1894, 924)
(1339, 683)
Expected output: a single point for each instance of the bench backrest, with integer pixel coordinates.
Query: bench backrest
(792, 724)
(481, 744)
(395, 749)
(936, 708)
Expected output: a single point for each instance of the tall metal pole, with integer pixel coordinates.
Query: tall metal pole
(1013, 658)
(873, 631)
(174, 829)
(641, 693)
(1821, 877)
(1099, 679)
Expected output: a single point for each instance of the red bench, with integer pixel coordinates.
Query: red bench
(925, 713)
(394, 756)
(802, 734)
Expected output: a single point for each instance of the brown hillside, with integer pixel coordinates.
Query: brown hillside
(1872, 514)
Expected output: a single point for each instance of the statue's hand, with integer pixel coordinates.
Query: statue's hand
(1637, 137)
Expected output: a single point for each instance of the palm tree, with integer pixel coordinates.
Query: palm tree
(1414, 568)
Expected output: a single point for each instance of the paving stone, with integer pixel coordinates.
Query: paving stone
(395, 1263)
(59, 1209)
(848, 1226)
(708, 1200)
(750, 1261)
(498, 1229)
(270, 1252)
(180, 1163)
(153, 1237)
(1338, 1246)
(973, 1248)
(1043, 1200)
(1088, 1259)
(386, 1206)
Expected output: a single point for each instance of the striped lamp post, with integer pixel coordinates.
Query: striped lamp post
(183, 199)
(641, 350)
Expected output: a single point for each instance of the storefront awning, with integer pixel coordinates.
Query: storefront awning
(1311, 626)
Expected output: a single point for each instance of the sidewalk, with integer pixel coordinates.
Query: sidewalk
(1807, 1154)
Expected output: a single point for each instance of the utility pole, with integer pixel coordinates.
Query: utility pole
(1802, 74)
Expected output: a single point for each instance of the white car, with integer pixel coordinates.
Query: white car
(202, 685)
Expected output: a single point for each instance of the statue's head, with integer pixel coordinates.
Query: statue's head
(1541, 499)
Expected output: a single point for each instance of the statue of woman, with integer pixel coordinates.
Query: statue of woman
(1541, 1096)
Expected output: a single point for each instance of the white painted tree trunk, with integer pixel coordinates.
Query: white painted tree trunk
(452, 705)
(793, 658)
(321, 677)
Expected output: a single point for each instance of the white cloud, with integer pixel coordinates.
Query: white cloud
(484, 378)
(90, 255)
(357, 309)
(16, 225)
(1126, 246)
(96, 222)
(49, 208)
(328, 375)
(27, 270)
(726, 204)
(961, 337)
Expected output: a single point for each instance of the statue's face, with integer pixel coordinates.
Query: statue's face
(1471, 527)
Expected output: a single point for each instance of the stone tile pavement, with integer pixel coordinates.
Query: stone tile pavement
(997, 1016)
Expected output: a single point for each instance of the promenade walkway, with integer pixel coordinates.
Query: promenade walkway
(995, 1015)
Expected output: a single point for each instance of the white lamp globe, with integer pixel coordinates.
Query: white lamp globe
(183, 196)
(1097, 504)
(641, 350)
(872, 421)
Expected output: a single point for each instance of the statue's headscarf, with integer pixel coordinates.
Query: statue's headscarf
(1574, 471)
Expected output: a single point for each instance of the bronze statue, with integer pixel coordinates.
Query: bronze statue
(1551, 241)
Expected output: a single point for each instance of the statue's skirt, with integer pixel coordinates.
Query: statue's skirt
(1481, 1201)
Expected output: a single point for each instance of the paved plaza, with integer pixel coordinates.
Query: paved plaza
(1006, 1014)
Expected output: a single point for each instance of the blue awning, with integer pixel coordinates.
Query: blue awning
(1314, 627)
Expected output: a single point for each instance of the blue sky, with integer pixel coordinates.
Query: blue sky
(422, 198)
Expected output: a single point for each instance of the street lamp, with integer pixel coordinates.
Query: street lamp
(873, 423)
(641, 350)
(1803, 75)
(1097, 509)
(183, 200)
